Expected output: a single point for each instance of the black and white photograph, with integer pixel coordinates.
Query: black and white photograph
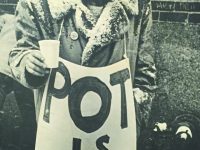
(99, 74)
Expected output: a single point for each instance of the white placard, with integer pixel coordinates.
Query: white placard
(88, 109)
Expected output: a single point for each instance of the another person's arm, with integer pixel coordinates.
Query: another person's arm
(26, 61)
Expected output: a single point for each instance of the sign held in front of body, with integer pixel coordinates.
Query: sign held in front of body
(87, 108)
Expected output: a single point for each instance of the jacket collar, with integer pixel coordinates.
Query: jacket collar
(113, 22)
(60, 8)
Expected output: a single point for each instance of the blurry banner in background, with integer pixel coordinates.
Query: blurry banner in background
(87, 108)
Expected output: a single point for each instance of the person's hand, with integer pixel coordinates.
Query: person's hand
(140, 96)
(35, 64)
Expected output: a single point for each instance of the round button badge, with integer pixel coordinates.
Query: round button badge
(74, 35)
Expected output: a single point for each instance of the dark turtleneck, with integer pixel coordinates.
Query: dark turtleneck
(95, 2)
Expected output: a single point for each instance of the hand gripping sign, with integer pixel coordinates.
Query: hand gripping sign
(88, 109)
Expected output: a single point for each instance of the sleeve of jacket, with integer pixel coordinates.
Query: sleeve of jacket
(27, 37)
(145, 73)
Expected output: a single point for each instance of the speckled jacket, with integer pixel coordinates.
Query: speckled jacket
(32, 27)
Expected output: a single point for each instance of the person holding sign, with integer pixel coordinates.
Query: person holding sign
(105, 58)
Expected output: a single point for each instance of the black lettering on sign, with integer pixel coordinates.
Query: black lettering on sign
(76, 144)
(101, 140)
(78, 90)
(58, 93)
(120, 77)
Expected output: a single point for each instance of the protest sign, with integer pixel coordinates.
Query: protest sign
(86, 108)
